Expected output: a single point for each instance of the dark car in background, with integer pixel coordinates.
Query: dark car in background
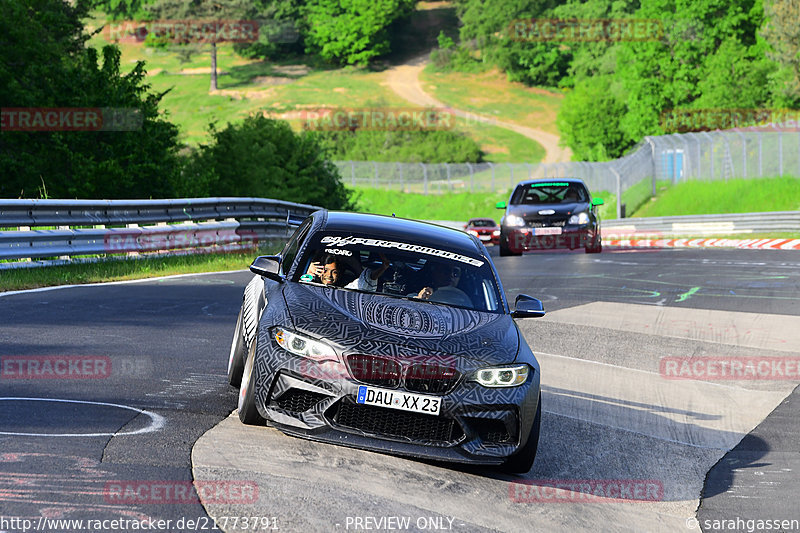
(485, 229)
(373, 359)
(546, 214)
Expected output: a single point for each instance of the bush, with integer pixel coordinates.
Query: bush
(589, 120)
(403, 146)
(263, 157)
(450, 57)
(46, 64)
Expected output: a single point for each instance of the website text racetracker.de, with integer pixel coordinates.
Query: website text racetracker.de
(201, 523)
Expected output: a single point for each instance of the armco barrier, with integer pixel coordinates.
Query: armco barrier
(85, 227)
(701, 225)
(751, 244)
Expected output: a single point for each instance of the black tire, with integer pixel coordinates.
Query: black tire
(505, 251)
(248, 413)
(522, 461)
(238, 352)
(596, 247)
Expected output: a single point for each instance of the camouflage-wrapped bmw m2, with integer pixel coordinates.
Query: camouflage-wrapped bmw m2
(390, 335)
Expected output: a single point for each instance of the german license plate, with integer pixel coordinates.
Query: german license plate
(547, 231)
(485, 237)
(404, 401)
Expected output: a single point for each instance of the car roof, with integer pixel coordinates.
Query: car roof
(554, 180)
(482, 218)
(401, 229)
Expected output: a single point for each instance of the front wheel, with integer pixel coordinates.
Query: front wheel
(248, 413)
(237, 355)
(522, 461)
(595, 247)
(506, 251)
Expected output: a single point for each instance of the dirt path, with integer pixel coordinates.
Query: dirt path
(404, 80)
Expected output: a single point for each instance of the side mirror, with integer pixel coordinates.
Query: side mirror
(597, 201)
(527, 307)
(267, 266)
(500, 205)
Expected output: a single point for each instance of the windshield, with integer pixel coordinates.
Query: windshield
(399, 269)
(482, 223)
(549, 193)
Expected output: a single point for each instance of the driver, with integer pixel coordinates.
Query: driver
(572, 195)
(444, 288)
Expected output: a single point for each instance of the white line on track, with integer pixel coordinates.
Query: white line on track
(157, 421)
(107, 283)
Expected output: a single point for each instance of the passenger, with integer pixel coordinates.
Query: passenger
(329, 272)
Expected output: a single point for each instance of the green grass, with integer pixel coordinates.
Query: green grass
(491, 94)
(716, 197)
(638, 195)
(249, 87)
(501, 145)
(246, 86)
(192, 108)
(125, 269)
(458, 207)
(455, 207)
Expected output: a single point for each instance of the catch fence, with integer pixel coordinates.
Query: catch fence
(631, 179)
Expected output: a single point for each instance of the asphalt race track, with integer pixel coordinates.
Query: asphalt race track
(631, 442)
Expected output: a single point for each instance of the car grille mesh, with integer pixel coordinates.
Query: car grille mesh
(299, 400)
(434, 379)
(546, 223)
(393, 423)
(418, 377)
(379, 371)
(492, 431)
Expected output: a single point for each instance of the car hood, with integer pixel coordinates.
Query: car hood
(372, 323)
(532, 210)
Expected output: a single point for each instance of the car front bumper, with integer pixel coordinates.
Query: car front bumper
(527, 239)
(476, 425)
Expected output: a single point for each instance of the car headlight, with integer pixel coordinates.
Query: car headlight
(496, 232)
(580, 218)
(514, 221)
(473, 232)
(303, 346)
(502, 376)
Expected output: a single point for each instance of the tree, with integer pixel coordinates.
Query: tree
(123, 9)
(710, 55)
(201, 11)
(782, 32)
(264, 157)
(351, 31)
(45, 64)
(587, 120)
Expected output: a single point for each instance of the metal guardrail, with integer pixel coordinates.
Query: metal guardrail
(226, 224)
(195, 224)
(690, 225)
(700, 225)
